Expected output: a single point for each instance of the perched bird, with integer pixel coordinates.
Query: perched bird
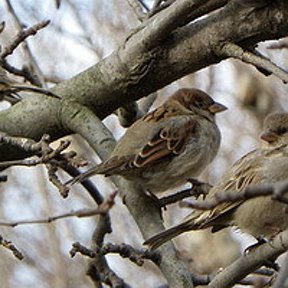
(169, 145)
(259, 217)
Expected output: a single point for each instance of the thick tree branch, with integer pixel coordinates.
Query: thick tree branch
(251, 261)
(186, 50)
(129, 74)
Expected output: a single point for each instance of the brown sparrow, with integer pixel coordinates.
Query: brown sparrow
(169, 145)
(259, 217)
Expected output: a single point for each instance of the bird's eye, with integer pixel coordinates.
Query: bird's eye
(199, 105)
(281, 130)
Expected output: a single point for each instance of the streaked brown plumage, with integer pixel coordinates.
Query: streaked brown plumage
(260, 217)
(169, 145)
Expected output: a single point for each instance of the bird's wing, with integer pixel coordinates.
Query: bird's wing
(244, 172)
(166, 142)
(161, 144)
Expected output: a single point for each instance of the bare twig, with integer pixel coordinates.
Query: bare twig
(44, 154)
(142, 3)
(79, 248)
(10, 246)
(136, 256)
(203, 280)
(42, 150)
(26, 144)
(277, 191)
(32, 71)
(9, 87)
(24, 72)
(99, 269)
(100, 210)
(232, 50)
(21, 36)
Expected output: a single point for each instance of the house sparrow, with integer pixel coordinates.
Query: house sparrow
(169, 145)
(259, 217)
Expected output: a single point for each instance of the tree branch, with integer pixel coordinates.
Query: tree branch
(101, 209)
(276, 190)
(21, 36)
(186, 50)
(229, 50)
(10, 246)
(251, 261)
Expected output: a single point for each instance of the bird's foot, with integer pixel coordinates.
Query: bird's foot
(199, 188)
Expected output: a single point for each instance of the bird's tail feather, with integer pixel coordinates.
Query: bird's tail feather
(114, 166)
(83, 176)
(164, 236)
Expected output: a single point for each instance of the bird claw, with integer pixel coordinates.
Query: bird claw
(199, 188)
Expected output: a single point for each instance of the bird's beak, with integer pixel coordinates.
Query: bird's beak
(268, 136)
(216, 108)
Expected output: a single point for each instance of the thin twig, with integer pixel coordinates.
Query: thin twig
(144, 5)
(136, 256)
(21, 36)
(44, 154)
(32, 71)
(232, 50)
(277, 191)
(10, 246)
(101, 209)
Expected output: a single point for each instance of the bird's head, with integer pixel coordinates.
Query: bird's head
(198, 102)
(275, 130)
